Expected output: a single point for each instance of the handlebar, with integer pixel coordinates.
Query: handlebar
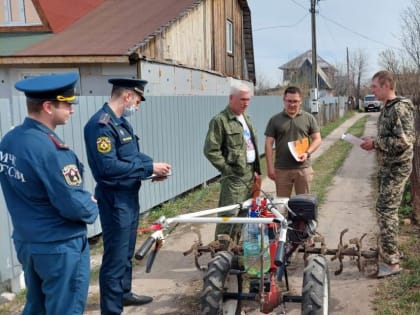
(280, 254)
(144, 248)
(202, 217)
(150, 260)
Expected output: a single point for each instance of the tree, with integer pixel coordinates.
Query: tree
(358, 66)
(411, 31)
(342, 86)
(262, 86)
(388, 59)
(411, 43)
(404, 70)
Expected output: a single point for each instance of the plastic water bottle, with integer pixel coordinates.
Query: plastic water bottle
(252, 247)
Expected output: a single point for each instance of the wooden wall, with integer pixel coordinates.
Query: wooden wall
(199, 39)
(228, 64)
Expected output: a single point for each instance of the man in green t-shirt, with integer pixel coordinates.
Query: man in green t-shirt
(292, 124)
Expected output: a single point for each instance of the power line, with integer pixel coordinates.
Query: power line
(282, 26)
(286, 26)
(329, 32)
(357, 33)
(299, 5)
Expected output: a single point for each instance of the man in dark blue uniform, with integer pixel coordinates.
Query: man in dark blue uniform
(42, 182)
(118, 167)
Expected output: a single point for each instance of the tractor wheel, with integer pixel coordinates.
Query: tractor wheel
(218, 280)
(316, 287)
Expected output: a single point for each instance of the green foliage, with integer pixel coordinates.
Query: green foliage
(401, 295)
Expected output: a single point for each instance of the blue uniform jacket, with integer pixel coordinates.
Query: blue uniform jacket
(113, 152)
(42, 183)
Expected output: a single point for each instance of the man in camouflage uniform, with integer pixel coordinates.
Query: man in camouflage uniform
(394, 149)
(231, 147)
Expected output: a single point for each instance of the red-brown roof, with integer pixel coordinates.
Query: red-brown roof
(115, 27)
(62, 13)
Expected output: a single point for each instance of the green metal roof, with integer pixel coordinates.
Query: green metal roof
(10, 43)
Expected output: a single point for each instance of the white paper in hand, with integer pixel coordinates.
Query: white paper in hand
(155, 176)
(351, 139)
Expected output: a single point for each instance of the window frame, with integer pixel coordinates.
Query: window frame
(21, 19)
(229, 36)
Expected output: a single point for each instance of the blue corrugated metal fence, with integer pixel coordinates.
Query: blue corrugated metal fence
(171, 129)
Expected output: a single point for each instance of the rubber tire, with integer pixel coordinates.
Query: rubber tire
(316, 287)
(216, 280)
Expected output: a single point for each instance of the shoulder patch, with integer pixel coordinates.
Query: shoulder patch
(104, 119)
(58, 143)
(103, 144)
(72, 175)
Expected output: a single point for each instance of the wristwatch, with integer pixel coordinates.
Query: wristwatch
(308, 154)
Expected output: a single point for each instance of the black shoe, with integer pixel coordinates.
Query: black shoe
(134, 299)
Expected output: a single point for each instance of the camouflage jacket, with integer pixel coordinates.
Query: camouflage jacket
(396, 133)
(225, 145)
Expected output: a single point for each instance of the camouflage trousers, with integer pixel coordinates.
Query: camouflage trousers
(234, 190)
(391, 182)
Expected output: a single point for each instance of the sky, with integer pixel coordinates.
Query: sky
(282, 31)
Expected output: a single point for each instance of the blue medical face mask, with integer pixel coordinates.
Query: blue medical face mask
(129, 111)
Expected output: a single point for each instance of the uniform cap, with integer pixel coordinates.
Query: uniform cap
(51, 87)
(130, 84)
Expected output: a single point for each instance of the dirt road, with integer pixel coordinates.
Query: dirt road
(175, 283)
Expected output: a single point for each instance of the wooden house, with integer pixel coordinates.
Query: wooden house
(299, 71)
(182, 47)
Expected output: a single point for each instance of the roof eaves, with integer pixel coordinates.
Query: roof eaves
(324, 77)
(63, 59)
(248, 40)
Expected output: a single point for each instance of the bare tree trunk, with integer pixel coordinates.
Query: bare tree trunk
(415, 174)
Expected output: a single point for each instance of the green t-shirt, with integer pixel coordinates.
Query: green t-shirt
(283, 129)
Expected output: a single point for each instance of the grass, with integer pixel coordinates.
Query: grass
(14, 307)
(398, 296)
(203, 197)
(329, 127)
(401, 295)
(326, 166)
(207, 197)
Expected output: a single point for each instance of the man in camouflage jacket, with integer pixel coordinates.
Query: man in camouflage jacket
(394, 150)
(231, 147)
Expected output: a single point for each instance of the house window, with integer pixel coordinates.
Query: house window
(229, 37)
(18, 13)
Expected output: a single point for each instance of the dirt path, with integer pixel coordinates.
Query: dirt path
(349, 204)
(175, 283)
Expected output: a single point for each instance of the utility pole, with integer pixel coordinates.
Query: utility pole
(314, 53)
(314, 90)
